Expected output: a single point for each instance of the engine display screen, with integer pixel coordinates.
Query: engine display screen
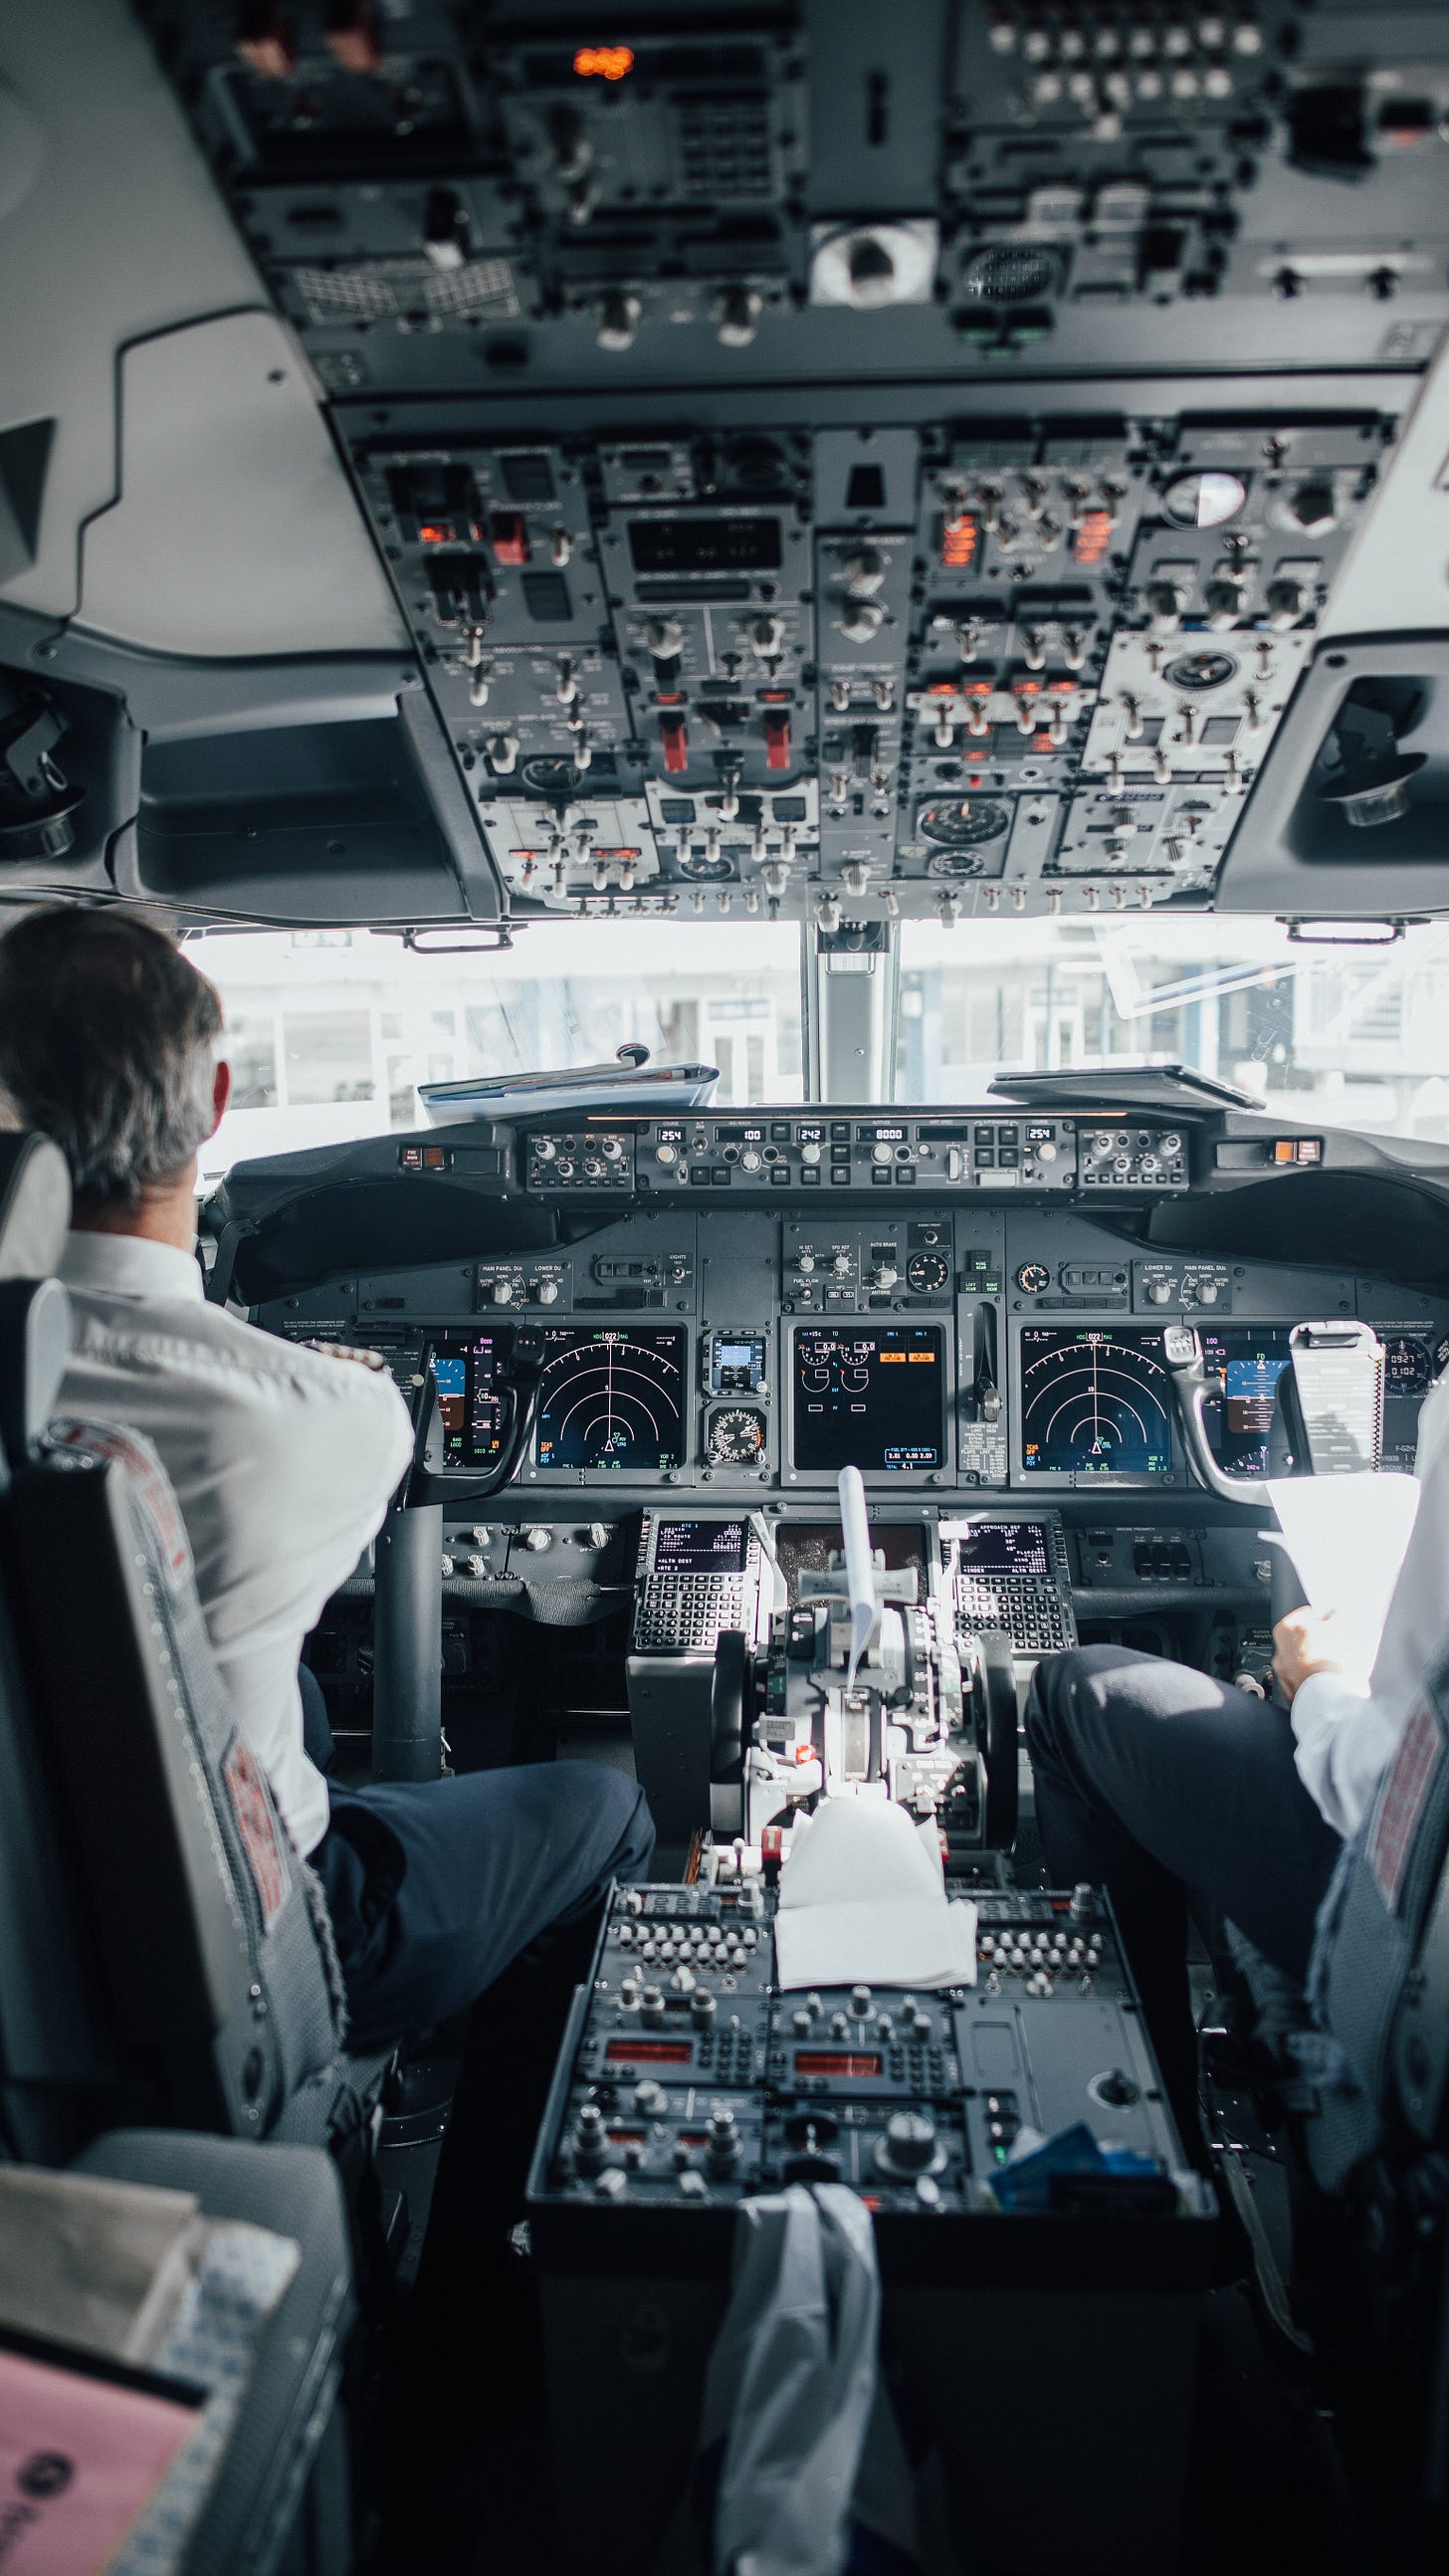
(700, 1547)
(612, 1398)
(1094, 1402)
(1006, 1547)
(873, 1400)
(470, 1404)
(1246, 1361)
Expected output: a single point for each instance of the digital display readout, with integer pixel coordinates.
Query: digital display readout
(873, 1400)
(700, 1547)
(861, 2064)
(649, 2052)
(612, 1398)
(470, 1405)
(722, 544)
(1246, 1361)
(1094, 1402)
(1005, 1547)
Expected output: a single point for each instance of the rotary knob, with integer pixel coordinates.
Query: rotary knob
(766, 635)
(882, 1154)
(805, 1263)
(1160, 1291)
(751, 1161)
(544, 1149)
(664, 637)
(861, 620)
(909, 2145)
(546, 1293)
(810, 1154)
(864, 572)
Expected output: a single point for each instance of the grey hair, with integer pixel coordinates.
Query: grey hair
(108, 1045)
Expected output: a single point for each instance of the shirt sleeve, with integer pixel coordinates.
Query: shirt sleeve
(1346, 1738)
(318, 1450)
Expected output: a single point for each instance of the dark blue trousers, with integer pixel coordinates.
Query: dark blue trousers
(1159, 1782)
(436, 1886)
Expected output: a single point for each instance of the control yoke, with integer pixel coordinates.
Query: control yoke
(1328, 1406)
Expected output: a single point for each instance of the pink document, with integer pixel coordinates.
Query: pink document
(79, 2457)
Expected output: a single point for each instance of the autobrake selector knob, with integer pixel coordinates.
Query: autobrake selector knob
(909, 2145)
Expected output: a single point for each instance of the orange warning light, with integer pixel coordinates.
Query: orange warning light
(958, 542)
(1092, 536)
(604, 62)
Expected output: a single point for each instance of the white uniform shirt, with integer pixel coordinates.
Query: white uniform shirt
(283, 1461)
(1346, 1738)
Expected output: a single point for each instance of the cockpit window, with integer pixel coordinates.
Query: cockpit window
(331, 1032)
(1357, 1036)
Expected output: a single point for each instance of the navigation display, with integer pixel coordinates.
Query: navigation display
(1005, 1547)
(873, 1400)
(612, 1399)
(470, 1407)
(1094, 1402)
(700, 1547)
(1247, 1362)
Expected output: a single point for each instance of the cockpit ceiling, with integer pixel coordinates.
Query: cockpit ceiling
(747, 463)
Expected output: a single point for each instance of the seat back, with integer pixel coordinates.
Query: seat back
(1379, 1980)
(210, 1931)
(165, 1954)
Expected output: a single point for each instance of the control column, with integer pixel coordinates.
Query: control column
(407, 1679)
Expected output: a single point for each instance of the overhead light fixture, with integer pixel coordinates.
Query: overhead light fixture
(1345, 934)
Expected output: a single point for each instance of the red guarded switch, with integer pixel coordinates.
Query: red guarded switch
(509, 538)
(676, 743)
(777, 741)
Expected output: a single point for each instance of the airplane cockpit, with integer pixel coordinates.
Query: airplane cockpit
(724, 1287)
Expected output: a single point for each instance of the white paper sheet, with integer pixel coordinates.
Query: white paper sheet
(1346, 1536)
(863, 1902)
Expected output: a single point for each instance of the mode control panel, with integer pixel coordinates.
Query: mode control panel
(973, 1151)
(988, 1151)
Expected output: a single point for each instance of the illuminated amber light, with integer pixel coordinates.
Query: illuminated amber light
(604, 62)
(958, 543)
(1093, 534)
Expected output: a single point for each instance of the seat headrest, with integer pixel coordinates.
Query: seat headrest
(34, 1206)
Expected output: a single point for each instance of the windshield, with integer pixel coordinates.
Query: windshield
(1356, 1036)
(330, 1033)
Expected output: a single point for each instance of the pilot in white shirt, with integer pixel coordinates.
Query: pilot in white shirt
(283, 1461)
(1159, 1780)
(1346, 1738)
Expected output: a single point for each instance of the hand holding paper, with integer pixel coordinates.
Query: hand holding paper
(1346, 1536)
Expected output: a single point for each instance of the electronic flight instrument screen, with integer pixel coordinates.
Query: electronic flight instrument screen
(470, 1408)
(1005, 1548)
(1094, 1402)
(1247, 1363)
(873, 1400)
(612, 1398)
(701, 1547)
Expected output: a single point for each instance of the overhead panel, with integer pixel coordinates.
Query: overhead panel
(843, 470)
